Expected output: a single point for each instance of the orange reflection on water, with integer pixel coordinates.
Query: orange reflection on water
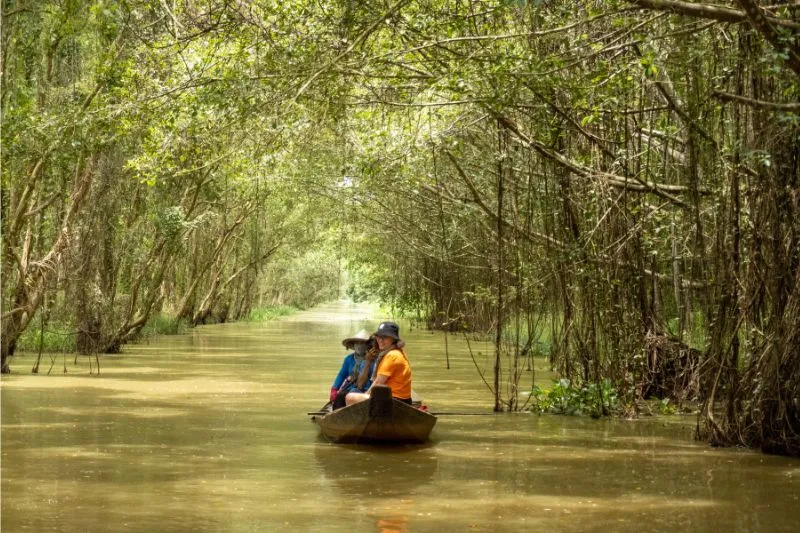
(393, 524)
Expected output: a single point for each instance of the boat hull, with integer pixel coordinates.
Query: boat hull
(379, 419)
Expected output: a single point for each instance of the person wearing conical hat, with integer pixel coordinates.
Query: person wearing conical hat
(356, 372)
(392, 367)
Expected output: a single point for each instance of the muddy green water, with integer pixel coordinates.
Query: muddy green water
(208, 432)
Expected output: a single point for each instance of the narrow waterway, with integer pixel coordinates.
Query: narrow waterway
(208, 432)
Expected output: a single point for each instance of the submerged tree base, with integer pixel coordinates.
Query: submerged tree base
(60, 337)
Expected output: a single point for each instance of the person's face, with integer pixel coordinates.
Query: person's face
(360, 348)
(384, 342)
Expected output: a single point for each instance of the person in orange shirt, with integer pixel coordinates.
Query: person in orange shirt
(391, 369)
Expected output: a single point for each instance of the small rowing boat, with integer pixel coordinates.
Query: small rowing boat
(378, 419)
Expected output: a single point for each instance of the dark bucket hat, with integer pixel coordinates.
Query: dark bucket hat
(361, 336)
(388, 329)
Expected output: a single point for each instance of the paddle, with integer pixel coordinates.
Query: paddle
(323, 412)
(434, 413)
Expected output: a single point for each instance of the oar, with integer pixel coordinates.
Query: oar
(450, 413)
(434, 413)
(322, 411)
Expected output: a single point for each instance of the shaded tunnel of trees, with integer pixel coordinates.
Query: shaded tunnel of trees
(618, 178)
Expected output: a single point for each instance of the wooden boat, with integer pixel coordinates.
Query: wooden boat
(379, 419)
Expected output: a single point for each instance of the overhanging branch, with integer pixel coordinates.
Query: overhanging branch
(759, 104)
(708, 11)
(766, 26)
(663, 190)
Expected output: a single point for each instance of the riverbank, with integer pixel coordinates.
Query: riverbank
(60, 337)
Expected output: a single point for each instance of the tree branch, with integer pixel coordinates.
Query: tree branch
(662, 190)
(764, 25)
(476, 195)
(760, 104)
(360, 39)
(706, 11)
(539, 237)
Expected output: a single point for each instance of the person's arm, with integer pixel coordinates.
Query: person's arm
(347, 367)
(370, 371)
(380, 380)
(384, 371)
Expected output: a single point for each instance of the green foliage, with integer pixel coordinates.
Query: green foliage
(302, 279)
(56, 337)
(163, 324)
(234, 156)
(665, 407)
(534, 330)
(270, 312)
(695, 335)
(367, 280)
(565, 398)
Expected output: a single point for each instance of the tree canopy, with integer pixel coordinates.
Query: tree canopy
(621, 178)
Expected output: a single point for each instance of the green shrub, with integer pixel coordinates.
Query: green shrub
(593, 399)
(57, 337)
(665, 407)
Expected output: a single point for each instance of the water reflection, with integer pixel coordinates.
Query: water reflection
(393, 523)
(376, 471)
(384, 480)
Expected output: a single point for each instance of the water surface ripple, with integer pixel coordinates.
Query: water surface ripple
(207, 432)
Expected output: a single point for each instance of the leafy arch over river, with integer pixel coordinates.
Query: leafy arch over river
(614, 184)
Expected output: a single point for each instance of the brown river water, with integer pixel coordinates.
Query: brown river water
(208, 432)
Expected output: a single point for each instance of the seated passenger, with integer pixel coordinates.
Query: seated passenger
(392, 367)
(355, 373)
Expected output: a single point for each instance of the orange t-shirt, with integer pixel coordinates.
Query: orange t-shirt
(395, 367)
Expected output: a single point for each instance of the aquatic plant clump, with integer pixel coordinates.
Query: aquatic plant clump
(567, 398)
